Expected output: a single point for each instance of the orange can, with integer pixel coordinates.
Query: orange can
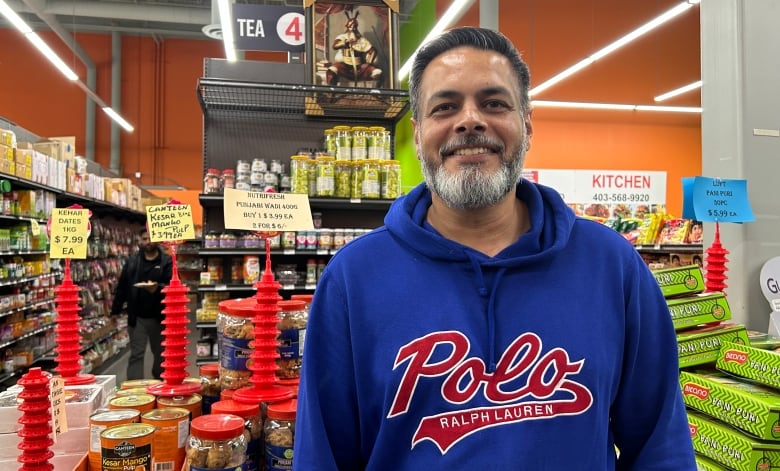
(127, 446)
(100, 421)
(191, 402)
(171, 429)
(139, 402)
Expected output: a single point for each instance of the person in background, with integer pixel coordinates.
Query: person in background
(140, 285)
(485, 326)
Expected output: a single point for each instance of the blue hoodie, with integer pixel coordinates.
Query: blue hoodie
(423, 354)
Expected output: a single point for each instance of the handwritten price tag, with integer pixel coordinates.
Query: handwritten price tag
(716, 199)
(69, 232)
(59, 420)
(269, 212)
(170, 222)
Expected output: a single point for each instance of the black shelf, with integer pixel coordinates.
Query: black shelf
(667, 248)
(22, 252)
(296, 102)
(216, 201)
(206, 325)
(204, 360)
(12, 217)
(235, 288)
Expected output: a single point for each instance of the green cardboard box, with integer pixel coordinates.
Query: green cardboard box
(698, 309)
(678, 281)
(730, 447)
(701, 345)
(705, 464)
(751, 408)
(762, 366)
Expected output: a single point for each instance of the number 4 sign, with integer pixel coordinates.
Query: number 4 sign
(268, 27)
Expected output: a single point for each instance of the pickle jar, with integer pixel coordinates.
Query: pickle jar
(391, 179)
(279, 435)
(293, 319)
(216, 441)
(357, 178)
(325, 175)
(253, 429)
(343, 173)
(375, 142)
(343, 138)
(330, 141)
(359, 142)
(370, 185)
(235, 331)
(387, 141)
(209, 381)
(299, 174)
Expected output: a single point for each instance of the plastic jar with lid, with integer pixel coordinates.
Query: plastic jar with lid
(370, 187)
(293, 319)
(227, 240)
(211, 240)
(375, 142)
(209, 380)
(359, 142)
(391, 179)
(299, 174)
(216, 441)
(235, 331)
(228, 178)
(325, 175)
(211, 181)
(343, 137)
(329, 141)
(342, 176)
(279, 435)
(253, 429)
(356, 182)
(388, 143)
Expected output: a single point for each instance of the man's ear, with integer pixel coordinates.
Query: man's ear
(416, 136)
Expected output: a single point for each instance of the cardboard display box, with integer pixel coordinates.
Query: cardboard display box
(730, 447)
(705, 464)
(702, 345)
(751, 408)
(677, 281)
(762, 366)
(698, 309)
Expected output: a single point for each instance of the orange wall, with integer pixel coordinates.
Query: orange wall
(159, 81)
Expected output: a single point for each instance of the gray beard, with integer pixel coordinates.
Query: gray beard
(471, 187)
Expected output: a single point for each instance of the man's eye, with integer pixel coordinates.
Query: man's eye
(495, 104)
(442, 108)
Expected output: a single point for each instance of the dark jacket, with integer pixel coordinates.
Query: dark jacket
(140, 302)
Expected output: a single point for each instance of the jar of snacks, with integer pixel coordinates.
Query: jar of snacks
(211, 240)
(235, 331)
(343, 138)
(391, 179)
(359, 142)
(228, 178)
(279, 435)
(299, 174)
(325, 175)
(370, 186)
(343, 172)
(216, 441)
(209, 380)
(227, 240)
(253, 429)
(292, 330)
(375, 142)
(330, 141)
(211, 181)
(356, 182)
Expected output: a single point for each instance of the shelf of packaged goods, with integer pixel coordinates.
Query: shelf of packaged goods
(206, 325)
(236, 288)
(11, 217)
(32, 333)
(117, 356)
(29, 307)
(19, 281)
(11, 253)
(18, 372)
(667, 248)
(86, 347)
(216, 201)
(261, 252)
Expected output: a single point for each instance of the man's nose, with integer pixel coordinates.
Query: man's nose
(470, 118)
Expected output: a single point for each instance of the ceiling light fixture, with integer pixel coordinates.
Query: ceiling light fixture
(226, 20)
(610, 48)
(44, 48)
(614, 106)
(453, 13)
(678, 91)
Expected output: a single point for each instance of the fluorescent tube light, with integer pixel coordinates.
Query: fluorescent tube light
(120, 120)
(453, 13)
(15, 19)
(52, 56)
(613, 106)
(678, 91)
(226, 22)
(610, 48)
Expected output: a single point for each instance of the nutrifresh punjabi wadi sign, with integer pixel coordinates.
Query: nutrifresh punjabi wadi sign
(605, 193)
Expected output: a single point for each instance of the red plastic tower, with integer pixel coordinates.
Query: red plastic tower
(67, 330)
(715, 265)
(36, 422)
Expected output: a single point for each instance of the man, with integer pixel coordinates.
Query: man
(355, 57)
(140, 285)
(485, 326)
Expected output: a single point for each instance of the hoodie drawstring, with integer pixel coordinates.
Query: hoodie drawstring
(491, 307)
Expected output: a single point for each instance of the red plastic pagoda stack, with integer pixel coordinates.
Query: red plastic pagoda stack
(68, 339)
(715, 265)
(264, 347)
(35, 434)
(175, 344)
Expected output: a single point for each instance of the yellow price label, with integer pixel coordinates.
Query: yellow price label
(170, 222)
(69, 233)
(267, 212)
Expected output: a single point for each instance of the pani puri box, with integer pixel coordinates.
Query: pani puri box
(705, 464)
(751, 408)
(698, 309)
(676, 281)
(702, 345)
(761, 366)
(730, 447)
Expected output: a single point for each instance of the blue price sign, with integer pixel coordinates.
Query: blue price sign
(716, 199)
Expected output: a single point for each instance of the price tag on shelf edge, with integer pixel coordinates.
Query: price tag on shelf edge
(716, 199)
(69, 233)
(266, 212)
(170, 222)
(59, 419)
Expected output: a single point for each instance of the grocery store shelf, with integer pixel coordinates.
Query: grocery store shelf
(29, 307)
(206, 325)
(216, 201)
(666, 248)
(32, 333)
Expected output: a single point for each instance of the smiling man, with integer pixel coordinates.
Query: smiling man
(485, 326)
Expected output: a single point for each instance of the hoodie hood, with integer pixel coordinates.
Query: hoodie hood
(551, 225)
